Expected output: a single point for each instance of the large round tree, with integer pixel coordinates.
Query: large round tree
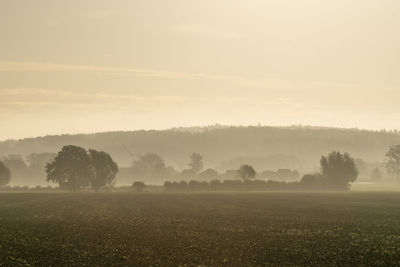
(72, 168)
(246, 172)
(105, 169)
(339, 170)
(5, 174)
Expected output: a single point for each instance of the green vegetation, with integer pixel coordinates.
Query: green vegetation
(321, 229)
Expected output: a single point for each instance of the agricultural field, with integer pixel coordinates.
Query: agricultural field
(207, 229)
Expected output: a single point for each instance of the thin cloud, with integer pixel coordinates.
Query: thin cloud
(15, 66)
(245, 82)
(36, 97)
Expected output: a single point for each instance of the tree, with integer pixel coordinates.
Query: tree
(105, 169)
(138, 186)
(149, 166)
(5, 174)
(392, 160)
(196, 162)
(376, 174)
(246, 172)
(71, 169)
(339, 170)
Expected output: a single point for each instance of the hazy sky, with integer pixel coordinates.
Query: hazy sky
(83, 66)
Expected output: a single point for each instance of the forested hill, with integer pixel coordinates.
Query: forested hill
(222, 147)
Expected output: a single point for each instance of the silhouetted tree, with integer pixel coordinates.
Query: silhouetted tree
(376, 174)
(149, 166)
(196, 162)
(5, 174)
(339, 170)
(246, 172)
(139, 186)
(105, 169)
(71, 169)
(392, 158)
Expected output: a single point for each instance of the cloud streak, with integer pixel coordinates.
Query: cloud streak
(16, 66)
(31, 98)
(263, 83)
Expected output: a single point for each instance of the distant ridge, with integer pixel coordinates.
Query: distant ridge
(219, 143)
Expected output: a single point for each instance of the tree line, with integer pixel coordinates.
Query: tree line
(287, 147)
(338, 172)
(74, 168)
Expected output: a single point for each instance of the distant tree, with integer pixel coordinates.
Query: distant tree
(196, 162)
(246, 172)
(392, 158)
(376, 174)
(105, 169)
(5, 174)
(339, 170)
(138, 186)
(149, 166)
(209, 174)
(71, 169)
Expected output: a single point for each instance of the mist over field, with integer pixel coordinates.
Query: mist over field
(222, 147)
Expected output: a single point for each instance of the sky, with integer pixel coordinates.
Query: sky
(82, 66)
